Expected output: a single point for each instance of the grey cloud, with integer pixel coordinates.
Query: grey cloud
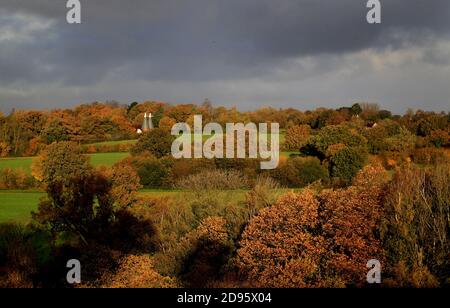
(199, 41)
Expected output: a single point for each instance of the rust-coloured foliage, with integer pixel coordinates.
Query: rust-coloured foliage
(309, 241)
(280, 247)
(136, 271)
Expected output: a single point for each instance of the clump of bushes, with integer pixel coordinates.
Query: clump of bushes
(21, 255)
(213, 180)
(300, 172)
(428, 156)
(16, 179)
(346, 163)
(182, 168)
(108, 148)
(152, 171)
(199, 256)
(135, 271)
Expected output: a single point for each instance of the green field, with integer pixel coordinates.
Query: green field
(111, 143)
(98, 159)
(107, 159)
(16, 205)
(16, 163)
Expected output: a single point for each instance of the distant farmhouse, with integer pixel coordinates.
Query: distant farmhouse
(146, 125)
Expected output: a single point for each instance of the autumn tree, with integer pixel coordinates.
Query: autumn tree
(166, 123)
(55, 131)
(416, 226)
(280, 247)
(125, 185)
(403, 142)
(350, 219)
(296, 137)
(330, 135)
(309, 241)
(4, 149)
(77, 200)
(356, 109)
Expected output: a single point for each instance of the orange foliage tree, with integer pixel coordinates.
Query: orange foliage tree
(296, 137)
(125, 185)
(135, 271)
(280, 247)
(4, 149)
(309, 241)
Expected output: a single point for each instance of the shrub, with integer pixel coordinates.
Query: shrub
(135, 271)
(108, 148)
(157, 142)
(415, 276)
(300, 171)
(439, 138)
(346, 163)
(182, 168)
(18, 257)
(132, 231)
(427, 156)
(403, 142)
(171, 216)
(213, 180)
(91, 149)
(263, 194)
(16, 179)
(248, 166)
(309, 241)
(151, 171)
(199, 256)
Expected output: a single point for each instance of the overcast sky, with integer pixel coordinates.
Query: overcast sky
(249, 53)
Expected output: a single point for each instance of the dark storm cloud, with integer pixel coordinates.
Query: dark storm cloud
(202, 40)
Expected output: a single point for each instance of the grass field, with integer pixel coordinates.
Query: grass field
(16, 206)
(107, 159)
(111, 142)
(98, 159)
(16, 163)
